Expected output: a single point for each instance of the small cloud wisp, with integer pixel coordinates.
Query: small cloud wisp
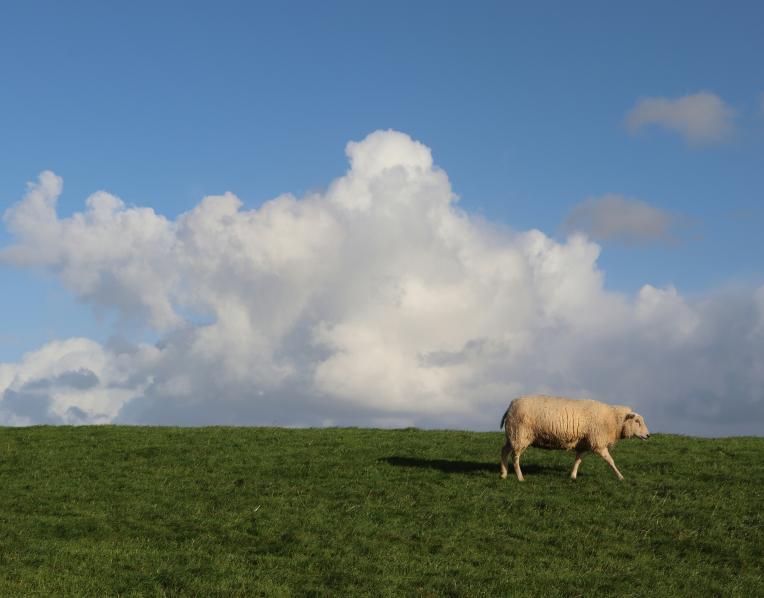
(701, 118)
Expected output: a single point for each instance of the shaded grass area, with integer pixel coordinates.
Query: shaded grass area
(277, 512)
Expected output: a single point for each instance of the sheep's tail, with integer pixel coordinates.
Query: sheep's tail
(503, 419)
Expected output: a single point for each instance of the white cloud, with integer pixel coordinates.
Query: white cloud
(614, 217)
(701, 118)
(72, 381)
(378, 302)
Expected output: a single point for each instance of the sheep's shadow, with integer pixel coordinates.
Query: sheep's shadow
(452, 466)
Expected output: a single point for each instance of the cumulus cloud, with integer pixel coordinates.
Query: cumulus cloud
(377, 302)
(71, 381)
(615, 217)
(701, 118)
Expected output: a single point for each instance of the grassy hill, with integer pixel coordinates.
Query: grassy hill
(277, 512)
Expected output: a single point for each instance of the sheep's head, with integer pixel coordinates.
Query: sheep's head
(634, 425)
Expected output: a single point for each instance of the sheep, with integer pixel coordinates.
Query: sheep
(562, 423)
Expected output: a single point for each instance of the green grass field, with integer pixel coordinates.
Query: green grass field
(278, 512)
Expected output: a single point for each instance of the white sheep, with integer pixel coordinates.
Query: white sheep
(561, 423)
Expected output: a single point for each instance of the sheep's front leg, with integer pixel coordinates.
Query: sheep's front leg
(579, 457)
(605, 454)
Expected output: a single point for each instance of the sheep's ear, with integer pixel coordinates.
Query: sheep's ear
(630, 416)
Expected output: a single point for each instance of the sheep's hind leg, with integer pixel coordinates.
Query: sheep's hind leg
(605, 454)
(579, 457)
(505, 450)
(516, 462)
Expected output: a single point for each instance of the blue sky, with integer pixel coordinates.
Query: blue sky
(524, 107)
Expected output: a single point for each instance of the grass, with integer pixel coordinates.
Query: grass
(277, 512)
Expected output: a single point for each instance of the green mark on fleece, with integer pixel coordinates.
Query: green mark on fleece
(277, 512)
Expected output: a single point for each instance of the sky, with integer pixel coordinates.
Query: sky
(380, 214)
